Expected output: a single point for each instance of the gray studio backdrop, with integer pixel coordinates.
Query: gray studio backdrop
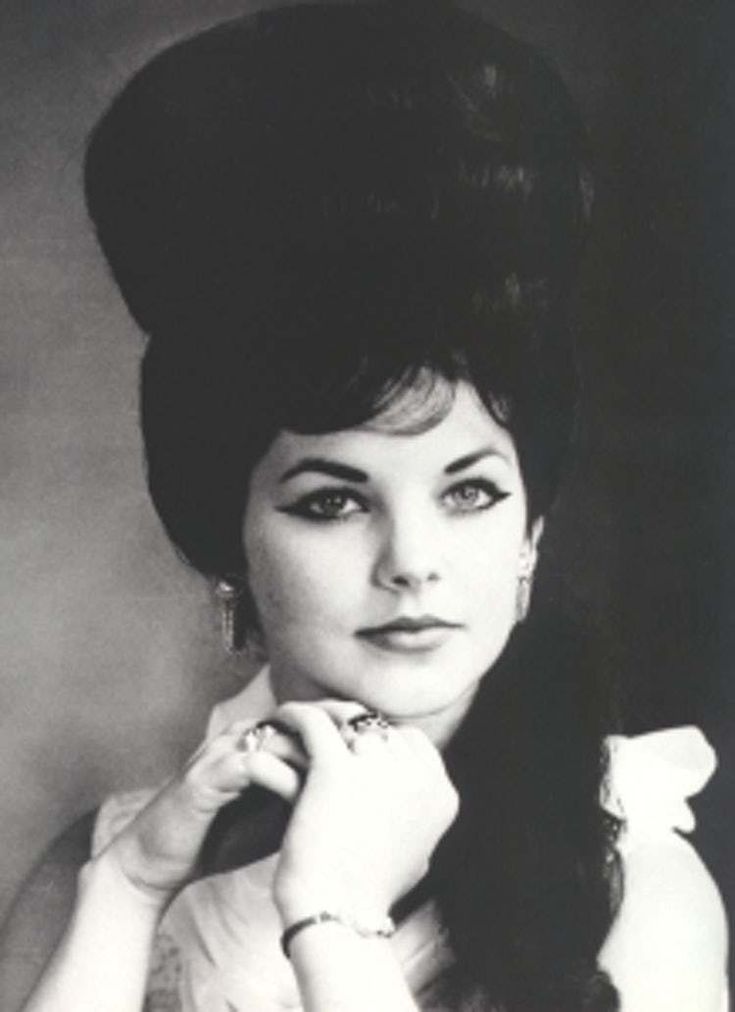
(109, 656)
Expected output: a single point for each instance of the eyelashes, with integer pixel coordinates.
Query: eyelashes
(474, 495)
(328, 504)
(335, 504)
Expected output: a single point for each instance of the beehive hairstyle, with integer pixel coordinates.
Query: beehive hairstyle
(322, 215)
(307, 208)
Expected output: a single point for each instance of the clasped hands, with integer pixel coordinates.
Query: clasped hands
(367, 810)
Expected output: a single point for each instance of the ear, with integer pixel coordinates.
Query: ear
(529, 550)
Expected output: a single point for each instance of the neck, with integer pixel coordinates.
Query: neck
(441, 726)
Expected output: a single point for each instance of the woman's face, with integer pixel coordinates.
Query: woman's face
(385, 567)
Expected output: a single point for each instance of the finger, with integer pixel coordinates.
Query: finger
(279, 741)
(283, 746)
(347, 714)
(217, 779)
(319, 735)
(341, 710)
(266, 770)
(287, 748)
(371, 743)
(240, 727)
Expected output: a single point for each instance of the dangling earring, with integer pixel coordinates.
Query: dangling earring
(228, 594)
(523, 595)
(239, 627)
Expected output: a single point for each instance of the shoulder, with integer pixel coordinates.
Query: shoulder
(667, 948)
(40, 912)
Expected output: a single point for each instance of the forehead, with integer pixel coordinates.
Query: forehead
(467, 427)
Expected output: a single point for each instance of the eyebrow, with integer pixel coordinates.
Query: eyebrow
(321, 465)
(462, 463)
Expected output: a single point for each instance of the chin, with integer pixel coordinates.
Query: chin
(417, 685)
(397, 683)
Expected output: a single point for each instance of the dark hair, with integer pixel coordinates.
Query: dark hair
(527, 878)
(321, 213)
(305, 207)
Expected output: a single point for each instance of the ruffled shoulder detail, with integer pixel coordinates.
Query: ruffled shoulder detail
(650, 777)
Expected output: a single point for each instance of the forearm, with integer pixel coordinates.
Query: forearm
(338, 971)
(101, 963)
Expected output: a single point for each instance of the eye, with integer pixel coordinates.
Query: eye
(473, 495)
(328, 504)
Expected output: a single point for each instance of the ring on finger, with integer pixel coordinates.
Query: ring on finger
(370, 720)
(255, 737)
(368, 723)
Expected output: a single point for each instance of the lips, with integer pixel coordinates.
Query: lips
(409, 624)
(410, 634)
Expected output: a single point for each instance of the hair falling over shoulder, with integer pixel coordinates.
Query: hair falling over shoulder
(527, 878)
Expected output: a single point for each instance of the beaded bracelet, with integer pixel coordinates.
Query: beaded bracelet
(384, 930)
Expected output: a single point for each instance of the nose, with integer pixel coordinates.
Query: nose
(408, 556)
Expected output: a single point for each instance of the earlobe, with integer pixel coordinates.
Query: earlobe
(529, 552)
(526, 569)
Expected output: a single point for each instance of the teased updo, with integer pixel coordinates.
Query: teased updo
(310, 209)
(323, 215)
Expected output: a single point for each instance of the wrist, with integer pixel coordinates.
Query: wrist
(383, 928)
(352, 910)
(105, 872)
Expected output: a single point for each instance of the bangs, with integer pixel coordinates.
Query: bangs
(405, 404)
(414, 403)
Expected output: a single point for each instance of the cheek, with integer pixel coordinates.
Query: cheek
(296, 579)
(490, 594)
(488, 559)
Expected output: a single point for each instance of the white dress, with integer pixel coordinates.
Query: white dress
(218, 945)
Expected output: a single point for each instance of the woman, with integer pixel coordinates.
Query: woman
(350, 235)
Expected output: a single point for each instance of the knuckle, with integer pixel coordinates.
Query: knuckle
(452, 805)
(238, 727)
(191, 785)
(290, 706)
(191, 775)
(448, 801)
(295, 707)
(259, 763)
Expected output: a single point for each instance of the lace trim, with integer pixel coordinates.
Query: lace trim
(163, 992)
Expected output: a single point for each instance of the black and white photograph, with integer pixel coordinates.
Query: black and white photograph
(368, 414)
